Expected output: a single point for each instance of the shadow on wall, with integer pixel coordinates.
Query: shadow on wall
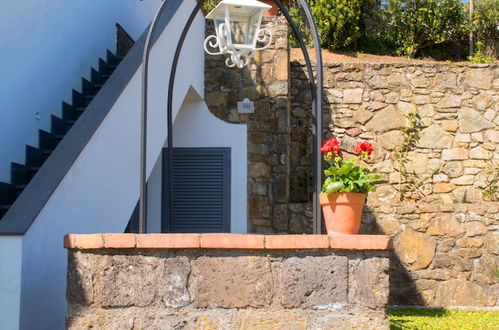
(403, 289)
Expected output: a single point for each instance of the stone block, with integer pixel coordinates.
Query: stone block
(353, 96)
(445, 225)
(139, 281)
(450, 125)
(475, 228)
(362, 116)
(450, 101)
(455, 154)
(369, 283)
(385, 120)
(443, 187)
(390, 140)
(471, 121)
(484, 268)
(434, 137)
(415, 249)
(466, 242)
(259, 170)
(447, 80)
(492, 136)
(478, 78)
(453, 169)
(344, 321)
(175, 282)
(231, 282)
(480, 153)
(80, 289)
(460, 292)
(417, 162)
(464, 180)
(270, 320)
(314, 282)
(259, 207)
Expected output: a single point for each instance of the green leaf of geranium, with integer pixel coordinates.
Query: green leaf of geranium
(333, 187)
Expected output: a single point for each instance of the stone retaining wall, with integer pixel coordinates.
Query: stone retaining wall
(148, 282)
(445, 225)
(444, 230)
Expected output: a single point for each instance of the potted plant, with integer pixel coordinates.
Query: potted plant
(346, 186)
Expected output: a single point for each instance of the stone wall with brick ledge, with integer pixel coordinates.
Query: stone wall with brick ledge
(227, 281)
(446, 233)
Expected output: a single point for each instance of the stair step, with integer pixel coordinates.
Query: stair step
(103, 67)
(78, 100)
(7, 193)
(47, 152)
(34, 156)
(47, 140)
(19, 174)
(86, 86)
(58, 126)
(5, 206)
(68, 112)
(20, 186)
(111, 58)
(34, 168)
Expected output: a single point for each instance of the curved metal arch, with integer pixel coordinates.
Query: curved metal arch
(317, 99)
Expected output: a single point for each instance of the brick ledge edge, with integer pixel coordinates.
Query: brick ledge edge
(226, 241)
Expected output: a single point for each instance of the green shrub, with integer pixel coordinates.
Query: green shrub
(484, 25)
(208, 5)
(337, 21)
(416, 24)
(479, 56)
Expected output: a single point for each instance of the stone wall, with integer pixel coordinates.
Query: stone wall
(265, 82)
(445, 231)
(159, 288)
(444, 225)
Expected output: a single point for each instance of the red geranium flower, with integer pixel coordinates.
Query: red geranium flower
(364, 147)
(331, 145)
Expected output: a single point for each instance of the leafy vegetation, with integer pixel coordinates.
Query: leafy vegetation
(416, 318)
(417, 24)
(345, 176)
(484, 26)
(479, 55)
(339, 25)
(409, 182)
(404, 27)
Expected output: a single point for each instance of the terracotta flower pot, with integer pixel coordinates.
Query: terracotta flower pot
(274, 10)
(342, 212)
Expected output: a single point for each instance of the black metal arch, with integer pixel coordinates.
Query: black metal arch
(317, 101)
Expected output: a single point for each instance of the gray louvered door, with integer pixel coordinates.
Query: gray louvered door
(200, 185)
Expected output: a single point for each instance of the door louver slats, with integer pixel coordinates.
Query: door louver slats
(200, 190)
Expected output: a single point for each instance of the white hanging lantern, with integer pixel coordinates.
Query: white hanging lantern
(237, 26)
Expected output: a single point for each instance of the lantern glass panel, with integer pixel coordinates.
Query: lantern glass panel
(243, 28)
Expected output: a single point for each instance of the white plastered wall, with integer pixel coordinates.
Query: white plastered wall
(46, 47)
(100, 190)
(196, 126)
(10, 281)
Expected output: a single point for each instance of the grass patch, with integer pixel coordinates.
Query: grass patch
(418, 318)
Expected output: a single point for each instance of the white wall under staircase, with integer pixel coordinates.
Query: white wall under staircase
(46, 46)
(100, 190)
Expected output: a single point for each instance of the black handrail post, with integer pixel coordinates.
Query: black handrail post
(317, 96)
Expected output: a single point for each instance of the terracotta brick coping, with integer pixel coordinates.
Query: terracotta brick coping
(226, 241)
